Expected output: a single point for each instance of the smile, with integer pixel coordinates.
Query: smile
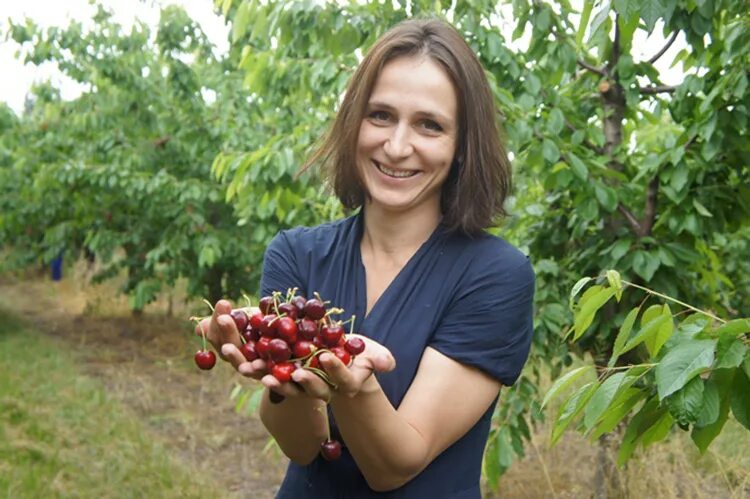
(394, 173)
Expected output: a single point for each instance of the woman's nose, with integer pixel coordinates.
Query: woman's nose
(398, 144)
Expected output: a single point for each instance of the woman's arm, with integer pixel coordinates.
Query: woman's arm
(392, 446)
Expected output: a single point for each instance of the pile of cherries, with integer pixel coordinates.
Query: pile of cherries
(290, 332)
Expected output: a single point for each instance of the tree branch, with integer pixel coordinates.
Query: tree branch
(649, 213)
(665, 47)
(593, 69)
(632, 221)
(658, 89)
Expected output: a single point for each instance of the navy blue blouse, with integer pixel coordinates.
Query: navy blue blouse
(469, 298)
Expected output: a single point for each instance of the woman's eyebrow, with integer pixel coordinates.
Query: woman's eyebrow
(425, 114)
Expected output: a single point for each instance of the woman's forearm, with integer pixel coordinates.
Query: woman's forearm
(387, 449)
(299, 425)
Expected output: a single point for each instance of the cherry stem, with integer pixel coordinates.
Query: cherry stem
(209, 305)
(203, 335)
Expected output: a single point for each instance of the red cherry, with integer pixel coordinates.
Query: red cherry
(268, 325)
(256, 319)
(318, 342)
(240, 319)
(302, 349)
(283, 371)
(262, 347)
(315, 362)
(249, 351)
(330, 450)
(288, 309)
(266, 305)
(278, 350)
(314, 309)
(205, 359)
(307, 328)
(331, 334)
(299, 302)
(251, 334)
(355, 346)
(287, 329)
(342, 354)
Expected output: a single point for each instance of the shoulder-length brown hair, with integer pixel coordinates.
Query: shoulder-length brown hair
(480, 178)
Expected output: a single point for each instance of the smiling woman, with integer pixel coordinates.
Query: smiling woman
(443, 307)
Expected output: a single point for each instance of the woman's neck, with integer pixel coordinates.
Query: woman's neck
(397, 234)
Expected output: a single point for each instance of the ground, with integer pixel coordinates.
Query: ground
(146, 363)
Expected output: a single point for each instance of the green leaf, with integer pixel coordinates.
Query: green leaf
(659, 429)
(734, 328)
(565, 381)
(603, 397)
(577, 287)
(584, 316)
(703, 435)
(710, 404)
(651, 11)
(606, 196)
(701, 209)
(686, 404)
(555, 121)
(681, 364)
(571, 409)
(550, 151)
(585, 16)
(644, 418)
(578, 166)
(615, 282)
(646, 332)
(729, 353)
(740, 398)
(656, 341)
(646, 264)
(623, 335)
(620, 407)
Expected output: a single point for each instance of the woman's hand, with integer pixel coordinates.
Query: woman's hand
(344, 380)
(222, 333)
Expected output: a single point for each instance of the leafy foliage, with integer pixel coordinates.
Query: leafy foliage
(692, 382)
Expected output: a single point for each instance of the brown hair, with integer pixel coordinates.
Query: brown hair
(480, 177)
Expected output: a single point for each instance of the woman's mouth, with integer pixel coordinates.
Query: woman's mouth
(394, 173)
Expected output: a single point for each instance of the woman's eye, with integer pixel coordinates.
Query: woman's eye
(432, 126)
(379, 116)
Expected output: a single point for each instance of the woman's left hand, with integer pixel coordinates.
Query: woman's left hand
(344, 380)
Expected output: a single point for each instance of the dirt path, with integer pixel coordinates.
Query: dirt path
(146, 364)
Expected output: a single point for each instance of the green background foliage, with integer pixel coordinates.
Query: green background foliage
(176, 163)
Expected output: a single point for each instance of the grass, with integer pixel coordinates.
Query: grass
(62, 436)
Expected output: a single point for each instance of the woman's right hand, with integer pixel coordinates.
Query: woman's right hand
(222, 333)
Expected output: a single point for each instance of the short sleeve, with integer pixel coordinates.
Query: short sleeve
(280, 269)
(489, 323)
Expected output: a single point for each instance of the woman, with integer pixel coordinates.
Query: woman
(445, 308)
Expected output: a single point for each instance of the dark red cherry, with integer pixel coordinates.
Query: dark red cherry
(240, 319)
(314, 309)
(266, 305)
(278, 350)
(330, 450)
(205, 359)
(307, 328)
(331, 334)
(289, 310)
(287, 330)
(355, 346)
(249, 351)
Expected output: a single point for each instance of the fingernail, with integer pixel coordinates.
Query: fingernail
(226, 348)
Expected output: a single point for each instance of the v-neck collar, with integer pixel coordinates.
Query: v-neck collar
(362, 271)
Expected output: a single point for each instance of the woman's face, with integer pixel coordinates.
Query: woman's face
(407, 139)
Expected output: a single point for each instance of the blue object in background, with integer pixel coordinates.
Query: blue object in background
(57, 265)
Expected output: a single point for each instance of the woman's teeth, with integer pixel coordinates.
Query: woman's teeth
(394, 173)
